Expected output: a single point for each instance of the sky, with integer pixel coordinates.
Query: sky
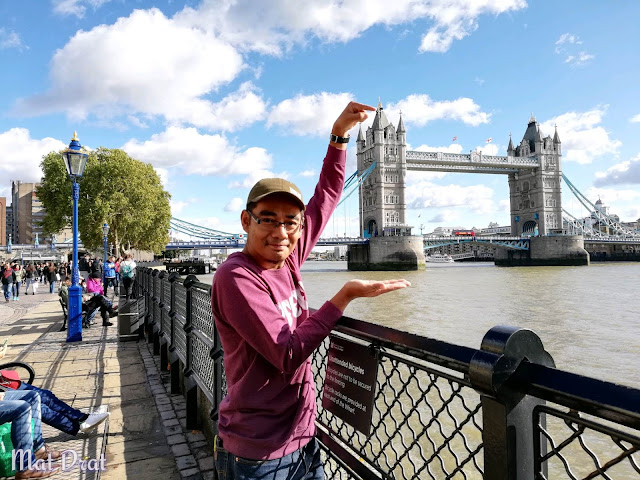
(217, 94)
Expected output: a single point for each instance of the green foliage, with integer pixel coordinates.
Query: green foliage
(116, 189)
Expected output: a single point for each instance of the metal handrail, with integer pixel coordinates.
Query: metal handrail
(499, 388)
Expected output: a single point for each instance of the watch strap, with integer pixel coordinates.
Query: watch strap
(337, 139)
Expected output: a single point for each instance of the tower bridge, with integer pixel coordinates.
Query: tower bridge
(533, 169)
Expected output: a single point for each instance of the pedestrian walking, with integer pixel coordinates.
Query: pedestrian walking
(110, 275)
(18, 271)
(30, 280)
(8, 277)
(52, 277)
(127, 272)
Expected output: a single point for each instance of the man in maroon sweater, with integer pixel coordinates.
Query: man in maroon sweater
(267, 419)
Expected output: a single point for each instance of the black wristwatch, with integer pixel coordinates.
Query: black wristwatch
(336, 139)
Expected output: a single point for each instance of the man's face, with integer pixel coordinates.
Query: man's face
(270, 246)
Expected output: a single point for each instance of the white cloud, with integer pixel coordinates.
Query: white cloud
(565, 45)
(250, 180)
(181, 65)
(490, 149)
(622, 173)
(568, 38)
(177, 207)
(276, 26)
(163, 173)
(193, 153)
(308, 173)
(75, 7)
(236, 204)
(26, 154)
(420, 109)
(579, 59)
(10, 39)
(581, 136)
(309, 114)
(477, 198)
(623, 203)
(635, 119)
(446, 216)
(452, 148)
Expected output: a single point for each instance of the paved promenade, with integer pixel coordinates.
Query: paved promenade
(145, 436)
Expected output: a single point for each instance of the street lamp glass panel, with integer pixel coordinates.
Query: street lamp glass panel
(105, 230)
(77, 162)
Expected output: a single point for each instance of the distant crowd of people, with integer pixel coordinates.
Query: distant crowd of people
(92, 270)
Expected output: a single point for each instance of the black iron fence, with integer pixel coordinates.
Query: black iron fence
(440, 410)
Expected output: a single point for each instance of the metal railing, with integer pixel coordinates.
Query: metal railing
(440, 410)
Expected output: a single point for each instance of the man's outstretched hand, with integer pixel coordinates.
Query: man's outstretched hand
(365, 288)
(353, 114)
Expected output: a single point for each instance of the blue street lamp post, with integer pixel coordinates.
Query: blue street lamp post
(105, 232)
(75, 161)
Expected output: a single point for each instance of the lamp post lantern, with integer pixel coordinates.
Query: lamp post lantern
(105, 233)
(75, 161)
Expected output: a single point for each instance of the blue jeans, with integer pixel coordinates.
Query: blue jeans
(52, 287)
(16, 289)
(8, 290)
(20, 408)
(303, 464)
(55, 412)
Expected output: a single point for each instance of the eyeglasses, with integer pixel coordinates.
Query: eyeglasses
(266, 223)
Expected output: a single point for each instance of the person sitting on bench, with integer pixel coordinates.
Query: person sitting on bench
(90, 302)
(20, 408)
(54, 412)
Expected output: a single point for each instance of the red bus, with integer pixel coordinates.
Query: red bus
(464, 233)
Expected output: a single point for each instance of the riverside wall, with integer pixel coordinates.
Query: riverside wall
(388, 254)
(546, 251)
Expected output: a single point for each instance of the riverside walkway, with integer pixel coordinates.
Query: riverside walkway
(145, 437)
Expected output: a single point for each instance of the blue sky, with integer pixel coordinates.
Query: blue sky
(217, 94)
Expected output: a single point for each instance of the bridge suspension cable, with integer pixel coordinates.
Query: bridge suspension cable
(354, 182)
(197, 231)
(602, 218)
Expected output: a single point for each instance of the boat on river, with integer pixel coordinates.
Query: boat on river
(439, 258)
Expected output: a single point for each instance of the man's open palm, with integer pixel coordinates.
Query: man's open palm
(373, 288)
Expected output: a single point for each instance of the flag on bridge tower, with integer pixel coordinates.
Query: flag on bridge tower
(489, 140)
(455, 138)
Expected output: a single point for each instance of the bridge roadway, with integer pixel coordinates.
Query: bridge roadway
(515, 243)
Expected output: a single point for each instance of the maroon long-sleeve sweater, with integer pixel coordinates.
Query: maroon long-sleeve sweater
(268, 335)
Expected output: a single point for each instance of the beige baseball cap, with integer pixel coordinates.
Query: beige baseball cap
(267, 186)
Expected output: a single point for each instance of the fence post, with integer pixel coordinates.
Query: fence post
(191, 393)
(216, 355)
(149, 324)
(507, 414)
(168, 336)
(157, 312)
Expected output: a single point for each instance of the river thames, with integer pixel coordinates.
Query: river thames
(587, 317)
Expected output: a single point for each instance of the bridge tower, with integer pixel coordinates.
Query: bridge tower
(382, 194)
(535, 195)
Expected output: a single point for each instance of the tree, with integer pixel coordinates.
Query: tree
(116, 189)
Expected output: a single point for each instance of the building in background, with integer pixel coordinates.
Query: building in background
(8, 223)
(3, 221)
(27, 214)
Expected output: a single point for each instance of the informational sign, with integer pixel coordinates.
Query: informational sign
(350, 382)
